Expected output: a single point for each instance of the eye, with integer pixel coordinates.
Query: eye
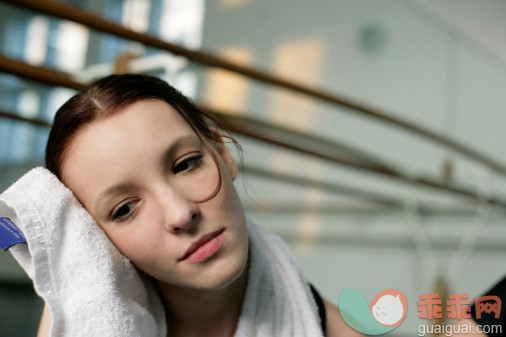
(188, 164)
(123, 212)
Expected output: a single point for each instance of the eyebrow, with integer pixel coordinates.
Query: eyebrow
(169, 153)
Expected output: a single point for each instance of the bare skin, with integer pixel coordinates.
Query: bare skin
(218, 317)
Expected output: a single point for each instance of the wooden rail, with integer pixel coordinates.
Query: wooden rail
(68, 12)
(33, 121)
(266, 133)
(25, 70)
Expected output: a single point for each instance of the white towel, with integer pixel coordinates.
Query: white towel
(92, 290)
(278, 299)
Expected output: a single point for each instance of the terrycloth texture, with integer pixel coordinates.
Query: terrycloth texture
(91, 289)
(278, 299)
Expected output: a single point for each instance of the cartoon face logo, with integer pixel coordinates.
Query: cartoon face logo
(385, 313)
(389, 307)
(388, 310)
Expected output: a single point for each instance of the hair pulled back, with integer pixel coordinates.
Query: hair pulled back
(110, 95)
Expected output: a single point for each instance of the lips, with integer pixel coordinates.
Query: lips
(199, 250)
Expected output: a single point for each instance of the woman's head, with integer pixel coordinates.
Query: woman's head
(107, 97)
(146, 165)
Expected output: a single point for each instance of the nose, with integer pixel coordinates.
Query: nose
(180, 214)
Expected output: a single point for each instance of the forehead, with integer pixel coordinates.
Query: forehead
(137, 130)
(144, 115)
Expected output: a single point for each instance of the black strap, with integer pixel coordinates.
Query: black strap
(321, 309)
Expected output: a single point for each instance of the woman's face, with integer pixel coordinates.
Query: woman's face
(142, 174)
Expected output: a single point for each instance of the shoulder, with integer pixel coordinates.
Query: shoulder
(45, 323)
(336, 326)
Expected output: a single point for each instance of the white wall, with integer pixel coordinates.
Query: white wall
(392, 56)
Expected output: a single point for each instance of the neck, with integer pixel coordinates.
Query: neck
(197, 312)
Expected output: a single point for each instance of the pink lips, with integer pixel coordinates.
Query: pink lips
(205, 247)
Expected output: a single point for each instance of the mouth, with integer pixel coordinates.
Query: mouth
(205, 247)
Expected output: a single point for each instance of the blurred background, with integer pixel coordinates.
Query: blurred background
(373, 131)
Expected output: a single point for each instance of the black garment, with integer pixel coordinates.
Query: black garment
(321, 309)
(488, 318)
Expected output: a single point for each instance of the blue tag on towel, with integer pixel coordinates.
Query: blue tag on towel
(9, 234)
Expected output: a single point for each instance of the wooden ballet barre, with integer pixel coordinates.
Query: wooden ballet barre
(10, 66)
(380, 200)
(72, 13)
(244, 127)
(33, 121)
(385, 201)
(48, 76)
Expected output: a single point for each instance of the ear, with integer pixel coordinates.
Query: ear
(228, 159)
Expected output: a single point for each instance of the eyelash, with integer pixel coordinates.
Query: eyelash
(192, 164)
(121, 218)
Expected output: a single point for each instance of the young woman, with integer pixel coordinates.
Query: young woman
(154, 173)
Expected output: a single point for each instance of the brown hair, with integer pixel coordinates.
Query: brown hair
(111, 94)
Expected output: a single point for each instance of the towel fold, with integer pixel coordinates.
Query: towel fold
(278, 299)
(90, 288)
(93, 290)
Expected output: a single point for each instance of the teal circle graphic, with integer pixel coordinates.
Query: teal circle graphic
(355, 312)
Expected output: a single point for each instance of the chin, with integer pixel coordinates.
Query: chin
(225, 272)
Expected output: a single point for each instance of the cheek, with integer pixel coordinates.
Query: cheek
(227, 200)
(226, 208)
(131, 244)
(138, 240)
